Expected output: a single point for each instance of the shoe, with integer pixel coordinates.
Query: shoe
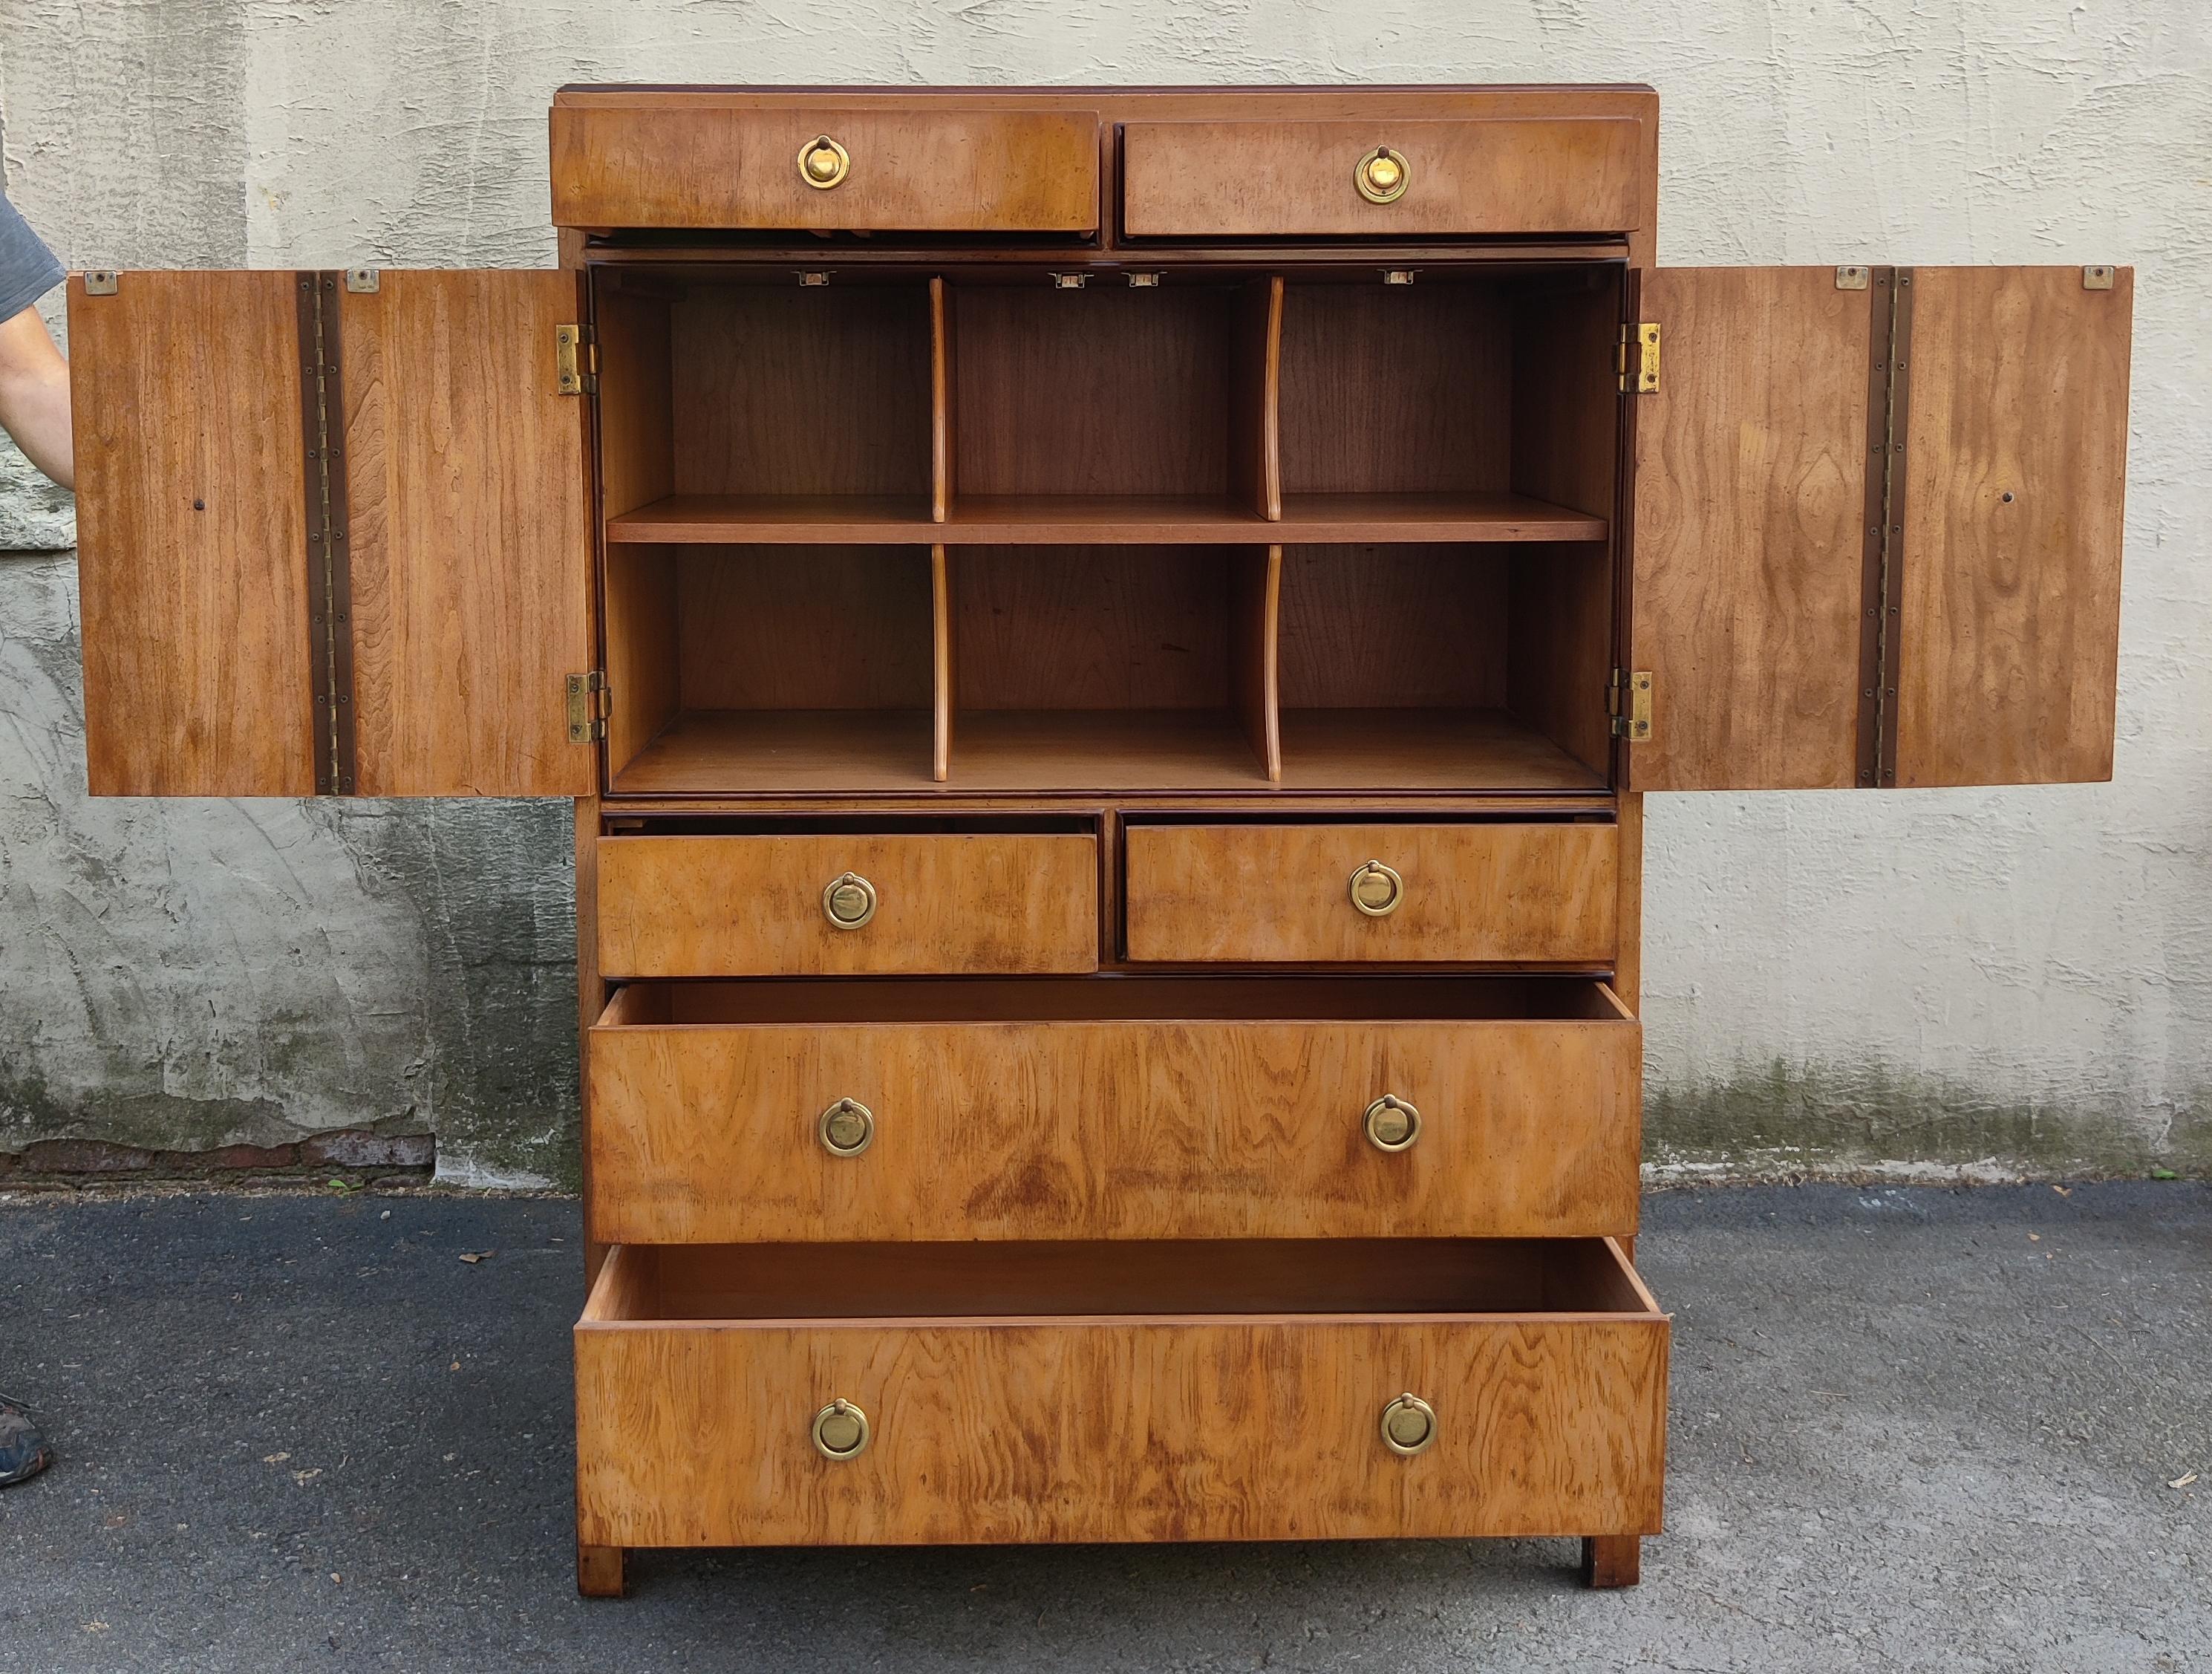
(23, 1450)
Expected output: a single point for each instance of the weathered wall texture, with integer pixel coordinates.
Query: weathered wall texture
(1923, 980)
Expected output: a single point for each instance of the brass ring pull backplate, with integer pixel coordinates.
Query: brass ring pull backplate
(824, 164)
(846, 1129)
(1377, 890)
(848, 901)
(1383, 175)
(840, 1430)
(1409, 1426)
(1392, 1124)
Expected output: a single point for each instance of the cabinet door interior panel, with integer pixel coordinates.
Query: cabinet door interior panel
(2015, 461)
(1751, 471)
(192, 507)
(471, 543)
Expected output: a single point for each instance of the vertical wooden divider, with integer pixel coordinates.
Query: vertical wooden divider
(1256, 576)
(940, 508)
(1255, 586)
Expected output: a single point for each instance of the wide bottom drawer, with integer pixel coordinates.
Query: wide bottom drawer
(778, 1395)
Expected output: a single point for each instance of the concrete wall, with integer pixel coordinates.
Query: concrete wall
(1923, 981)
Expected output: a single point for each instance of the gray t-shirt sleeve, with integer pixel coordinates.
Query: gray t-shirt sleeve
(27, 269)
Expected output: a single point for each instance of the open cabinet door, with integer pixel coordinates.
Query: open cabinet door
(334, 535)
(1876, 526)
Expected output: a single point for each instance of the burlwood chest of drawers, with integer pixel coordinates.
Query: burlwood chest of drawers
(1107, 646)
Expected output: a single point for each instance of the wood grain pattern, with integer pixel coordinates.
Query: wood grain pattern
(591, 993)
(471, 535)
(958, 903)
(940, 402)
(804, 628)
(1209, 1127)
(927, 168)
(1534, 893)
(1139, 519)
(636, 400)
(697, 1433)
(786, 390)
(1750, 476)
(749, 752)
(2015, 471)
(1387, 752)
(943, 650)
(191, 532)
(639, 598)
(1257, 179)
(1396, 627)
(1256, 461)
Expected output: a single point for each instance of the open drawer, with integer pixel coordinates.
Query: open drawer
(1114, 1107)
(810, 1396)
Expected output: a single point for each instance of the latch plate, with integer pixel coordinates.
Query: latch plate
(1630, 704)
(576, 360)
(1639, 359)
(100, 281)
(587, 707)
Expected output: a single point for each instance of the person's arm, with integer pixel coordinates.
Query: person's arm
(34, 396)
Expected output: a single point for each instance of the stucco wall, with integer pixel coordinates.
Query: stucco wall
(1925, 980)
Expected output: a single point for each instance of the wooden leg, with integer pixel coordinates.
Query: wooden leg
(1612, 1560)
(599, 1571)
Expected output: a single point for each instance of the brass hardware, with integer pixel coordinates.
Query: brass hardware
(1629, 701)
(840, 1430)
(1383, 175)
(1397, 276)
(589, 703)
(848, 901)
(1377, 890)
(1639, 359)
(1392, 1124)
(1852, 278)
(575, 359)
(813, 280)
(824, 164)
(2099, 277)
(846, 1129)
(363, 281)
(1409, 1426)
(1070, 281)
(1143, 281)
(100, 281)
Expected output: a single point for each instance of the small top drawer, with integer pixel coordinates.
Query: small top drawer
(863, 905)
(821, 166)
(1255, 894)
(1381, 178)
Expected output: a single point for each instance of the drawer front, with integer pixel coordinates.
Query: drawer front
(953, 171)
(1463, 175)
(700, 1432)
(740, 906)
(707, 1133)
(1535, 894)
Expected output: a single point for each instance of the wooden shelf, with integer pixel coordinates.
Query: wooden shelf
(750, 751)
(1071, 519)
(1102, 750)
(1378, 750)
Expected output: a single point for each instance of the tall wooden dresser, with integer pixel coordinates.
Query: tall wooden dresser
(1107, 645)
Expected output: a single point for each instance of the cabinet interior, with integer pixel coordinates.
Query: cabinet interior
(1226, 531)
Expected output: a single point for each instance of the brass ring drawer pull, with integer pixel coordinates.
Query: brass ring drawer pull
(1383, 175)
(847, 1128)
(1392, 1124)
(1377, 890)
(1409, 1426)
(848, 901)
(840, 1430)
(824, 164)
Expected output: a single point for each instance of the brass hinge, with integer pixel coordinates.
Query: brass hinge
(576, 360)
(1629, 703)
(588, 705)
(1639, 359)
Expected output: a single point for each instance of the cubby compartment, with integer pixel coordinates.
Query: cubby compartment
(1114, 667)
(1110, 402)
(755, 411)
(1481, 666)
(769, 668)
(1485, 397)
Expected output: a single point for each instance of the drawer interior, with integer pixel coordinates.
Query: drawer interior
(1397, 1277)
(1113, 999)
